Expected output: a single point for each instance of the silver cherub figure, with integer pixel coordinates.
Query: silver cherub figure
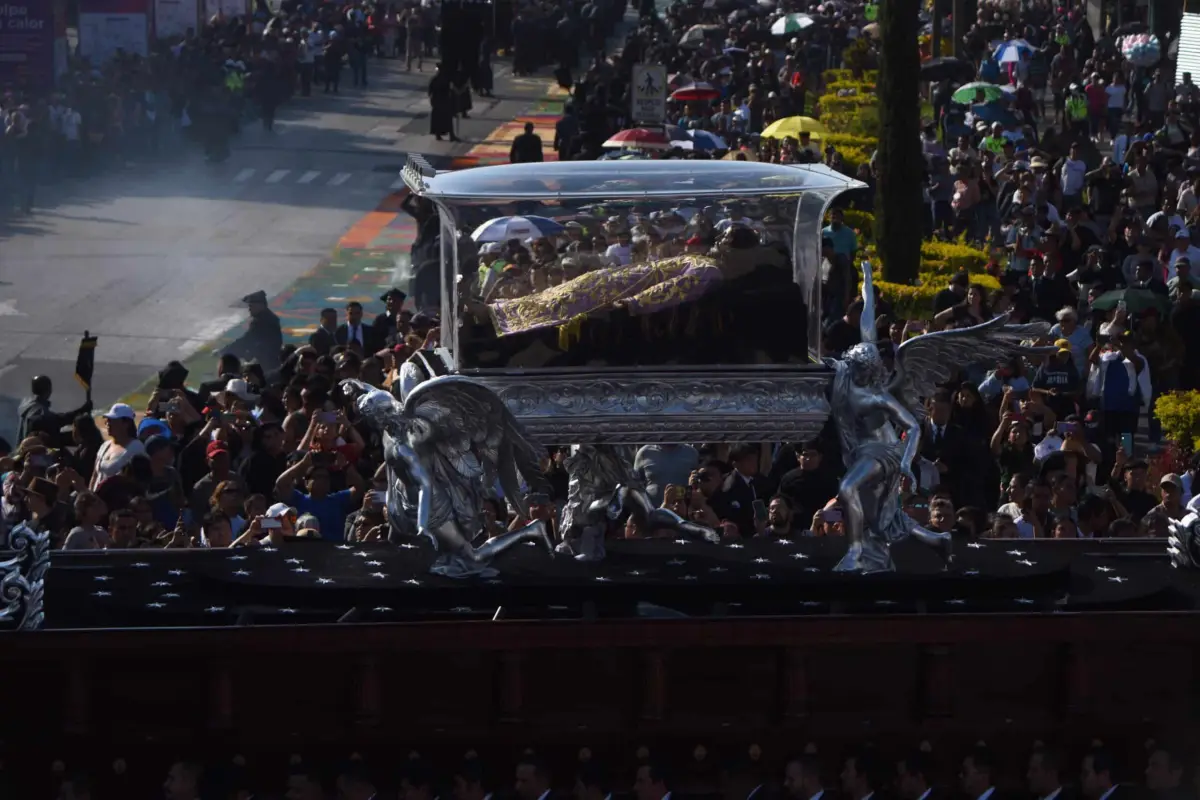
(878, 420)
(454, 439)
(603, 489)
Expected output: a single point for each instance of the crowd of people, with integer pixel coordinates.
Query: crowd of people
(858, 774)
(199, 87)
(1029, 448)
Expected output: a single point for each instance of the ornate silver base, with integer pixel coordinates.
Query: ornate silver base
(23, 579)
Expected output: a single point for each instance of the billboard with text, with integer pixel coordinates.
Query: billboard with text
(27, 43)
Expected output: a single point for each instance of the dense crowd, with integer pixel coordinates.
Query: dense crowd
(199, 87)
(859, 774)
(1099, 253)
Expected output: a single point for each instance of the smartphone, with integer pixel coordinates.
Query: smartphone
(328, 417)
(831, 515)
(1127, 443)
(760, 510)
(378, 497)
(1065, 428)
(271, 524)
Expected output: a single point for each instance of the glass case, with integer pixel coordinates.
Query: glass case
(628, 264)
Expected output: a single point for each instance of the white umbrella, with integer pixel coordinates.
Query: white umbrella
(791, 23)
(501, 229)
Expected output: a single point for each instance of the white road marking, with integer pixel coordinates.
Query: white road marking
(309, 177)
(339, 179)
(211, 330)
(8, 308)
(277, 175)
(244, 176)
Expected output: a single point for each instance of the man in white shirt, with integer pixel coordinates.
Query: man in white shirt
(620, 253)
(1072, 175)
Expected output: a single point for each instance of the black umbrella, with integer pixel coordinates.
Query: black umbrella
(947, 67)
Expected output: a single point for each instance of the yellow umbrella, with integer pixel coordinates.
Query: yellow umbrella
(741, 155)
(793, 127)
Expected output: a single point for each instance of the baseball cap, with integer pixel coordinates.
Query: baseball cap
(280, 510)
(153, 427)
(120, 411)
(1172, 479)
(215, 449)
(1063, 345)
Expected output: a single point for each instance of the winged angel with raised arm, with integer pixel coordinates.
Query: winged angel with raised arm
(453, 439)
(879, 423)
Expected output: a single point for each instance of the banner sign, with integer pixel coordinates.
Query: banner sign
(174, 17)
(27, 43)
(227, 9)
(102, 35)
(649, 94)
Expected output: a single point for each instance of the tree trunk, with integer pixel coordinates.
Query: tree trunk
(900, 164)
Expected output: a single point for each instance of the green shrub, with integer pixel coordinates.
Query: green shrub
(1179, 413)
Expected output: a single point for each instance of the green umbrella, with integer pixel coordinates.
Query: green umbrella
(791, 23)
(1136, 301)
(966, 94)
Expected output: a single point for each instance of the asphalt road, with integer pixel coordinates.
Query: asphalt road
(154, 258)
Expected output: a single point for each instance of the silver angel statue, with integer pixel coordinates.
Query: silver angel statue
(602, 490)
(879, 424)
(453, 439)
(23, 579)
(1183, 541)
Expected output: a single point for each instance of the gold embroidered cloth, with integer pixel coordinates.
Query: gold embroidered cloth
(642, 288)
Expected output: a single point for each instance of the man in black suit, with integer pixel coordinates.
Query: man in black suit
(941, 440)
(1045, 775)
(354, 783)
(977, 770)
(592, 783)
(1166, 774)
(914, 777)
(324, 338)
(651, 783)
(385, 322)
(533, 779)
(861, 775)
(734, 502)
(354, 331)
(416, 782)
(1097, 778)
(802, 779)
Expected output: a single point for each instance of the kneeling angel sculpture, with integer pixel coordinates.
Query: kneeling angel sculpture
(454, 439)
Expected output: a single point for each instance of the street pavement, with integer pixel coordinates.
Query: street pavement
(154, 258)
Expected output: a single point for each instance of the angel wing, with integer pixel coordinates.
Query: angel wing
(925, 362)
(472, 430)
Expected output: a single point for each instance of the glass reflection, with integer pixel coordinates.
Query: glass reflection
(676, 281)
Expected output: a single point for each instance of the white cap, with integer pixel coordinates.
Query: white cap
(280, 510)
(121, 411)
(241, 389)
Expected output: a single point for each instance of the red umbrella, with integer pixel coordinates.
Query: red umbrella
(695, 91)
(644, 138)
